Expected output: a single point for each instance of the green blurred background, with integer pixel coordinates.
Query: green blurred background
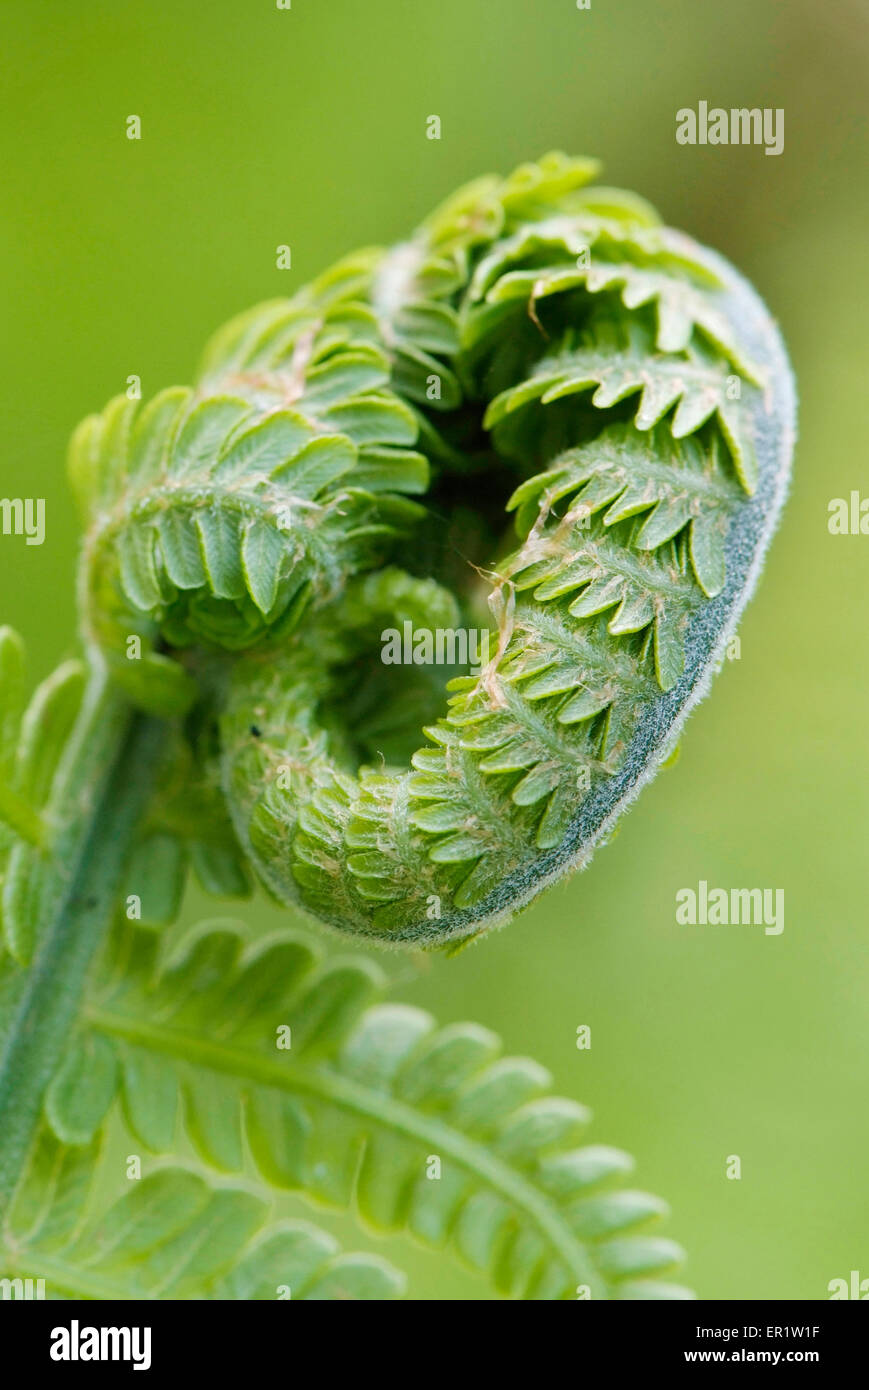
(307, 126)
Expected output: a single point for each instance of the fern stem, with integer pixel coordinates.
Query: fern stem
(111, 758)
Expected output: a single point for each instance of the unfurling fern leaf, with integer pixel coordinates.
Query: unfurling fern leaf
(619, 380)
(619, 385)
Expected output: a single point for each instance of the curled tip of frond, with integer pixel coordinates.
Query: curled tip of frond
(538, 335)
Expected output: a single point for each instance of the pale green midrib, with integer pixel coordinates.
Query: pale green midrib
(385, 1110)
(719, 486)
(620, 285)
(639, 566)
(392, 284)
(551, 629)
(573, 362)
(164, 493)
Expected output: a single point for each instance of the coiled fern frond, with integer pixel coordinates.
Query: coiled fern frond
(541, 346)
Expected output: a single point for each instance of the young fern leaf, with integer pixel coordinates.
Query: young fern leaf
(170, 1235)
(265, 1049)
(537, 336)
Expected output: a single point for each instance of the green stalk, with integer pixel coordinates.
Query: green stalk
(107, 775)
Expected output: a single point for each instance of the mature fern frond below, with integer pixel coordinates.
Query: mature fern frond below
(259, 1047)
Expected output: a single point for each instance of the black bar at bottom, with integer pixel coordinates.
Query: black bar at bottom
(256, 1339)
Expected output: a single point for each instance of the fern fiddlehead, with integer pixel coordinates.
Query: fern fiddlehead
(541, 343)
